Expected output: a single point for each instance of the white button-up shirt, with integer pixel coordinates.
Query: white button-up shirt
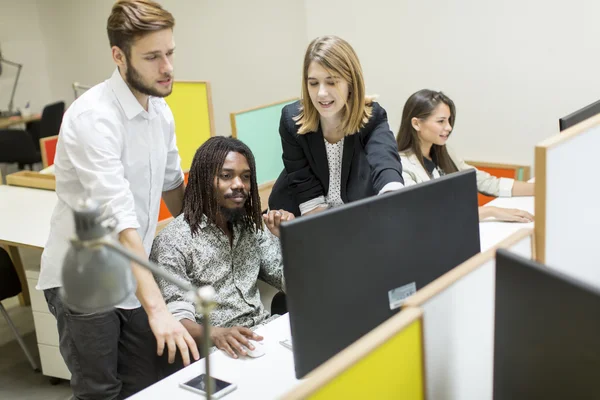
(112, 150)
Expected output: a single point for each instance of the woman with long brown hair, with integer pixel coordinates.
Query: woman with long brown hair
(427, 122)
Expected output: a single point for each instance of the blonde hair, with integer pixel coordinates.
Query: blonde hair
(339, 59)
(130, 19)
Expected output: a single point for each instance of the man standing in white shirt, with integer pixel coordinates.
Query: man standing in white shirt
(117, 146)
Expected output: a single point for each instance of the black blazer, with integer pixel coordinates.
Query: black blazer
(370, 161)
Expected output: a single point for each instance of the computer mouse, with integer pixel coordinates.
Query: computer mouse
(259, 349)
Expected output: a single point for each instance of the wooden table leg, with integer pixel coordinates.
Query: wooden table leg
(24, 298)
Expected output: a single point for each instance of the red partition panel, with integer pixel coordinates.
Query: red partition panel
(164, 213)
(48, 149)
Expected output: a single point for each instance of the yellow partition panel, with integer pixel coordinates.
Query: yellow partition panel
(191, 105)
(387, 363)
(393, 371)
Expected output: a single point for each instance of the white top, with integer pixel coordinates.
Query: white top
(112, 150)
(413, 173)
(334, 159)
(335, 151)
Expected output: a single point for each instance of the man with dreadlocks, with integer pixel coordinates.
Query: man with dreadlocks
(219, 240)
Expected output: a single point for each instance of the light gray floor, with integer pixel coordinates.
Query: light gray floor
(17, 379)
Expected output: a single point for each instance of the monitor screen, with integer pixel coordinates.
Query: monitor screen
(579, 116)
(348, 269)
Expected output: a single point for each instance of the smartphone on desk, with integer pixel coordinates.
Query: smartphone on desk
(198, 385)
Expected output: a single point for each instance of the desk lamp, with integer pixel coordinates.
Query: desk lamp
(97, 272)
(78, 86)
(10, 112)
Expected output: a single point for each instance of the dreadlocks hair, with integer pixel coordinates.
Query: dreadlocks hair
(200, 196)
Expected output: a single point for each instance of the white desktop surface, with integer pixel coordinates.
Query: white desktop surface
(267, 377)
(25, 220)
(491, 232)
(25, 215)
(272, 376)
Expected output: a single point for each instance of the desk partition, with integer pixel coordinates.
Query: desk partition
(567, 214)
(192, 108)
(258, 128)
(387, 363)
(458, 325)
(546, 333)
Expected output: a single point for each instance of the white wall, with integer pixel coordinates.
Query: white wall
(75, 36)
(22, 41)
(512, 67)
(250, 51)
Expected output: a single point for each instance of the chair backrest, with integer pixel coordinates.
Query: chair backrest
(17, 146)
(48, 150)
(10, 285)
(51, 119)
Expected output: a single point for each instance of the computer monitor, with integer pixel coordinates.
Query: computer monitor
(547, 333)
(579, 116)
(347, 269)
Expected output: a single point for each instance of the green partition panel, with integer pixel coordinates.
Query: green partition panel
(258, 128)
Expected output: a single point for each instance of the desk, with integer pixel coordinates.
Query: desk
(492, 232)
(7, 122)
(272, 376)
(267, 377)
(24, 221)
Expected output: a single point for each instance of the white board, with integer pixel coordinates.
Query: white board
(572, 217)
(458, 331)
(459, 338)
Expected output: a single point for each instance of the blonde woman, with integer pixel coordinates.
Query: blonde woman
(337, 144)
(427, 121)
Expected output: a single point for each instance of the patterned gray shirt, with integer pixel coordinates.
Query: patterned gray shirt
(209, 259)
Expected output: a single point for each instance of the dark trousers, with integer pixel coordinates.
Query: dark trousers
(110, 355)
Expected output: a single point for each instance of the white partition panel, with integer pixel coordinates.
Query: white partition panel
(458, 325)
(567, 201)
(459, 337)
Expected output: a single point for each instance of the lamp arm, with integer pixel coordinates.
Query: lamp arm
(14, 64)
(204, 302)
(203, 305)
(14, 89)
(147, 264)
(76, 86)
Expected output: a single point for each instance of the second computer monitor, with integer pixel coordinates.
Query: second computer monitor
(348, 269)
(579, 116)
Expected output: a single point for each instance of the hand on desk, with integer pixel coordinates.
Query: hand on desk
(170, 332)
(230, 340)
(505, 214)
(274, 218)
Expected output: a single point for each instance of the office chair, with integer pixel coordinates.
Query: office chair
(23, 146)
(49, 125)
(17, 146)
(10, 286)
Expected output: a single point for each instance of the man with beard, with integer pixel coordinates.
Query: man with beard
(219, 240)
(117, 145)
